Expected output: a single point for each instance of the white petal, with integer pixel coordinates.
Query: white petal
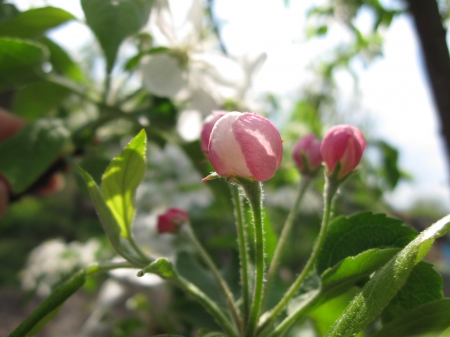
(203, 102)
(221, 69)
(163, 76)
(189, 125)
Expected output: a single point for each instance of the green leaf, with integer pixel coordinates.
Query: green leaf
(161, 267)
(35, 22)
(134, 61)
(325, 315)
(20, 62)
(32, 151)
(349, 236)
(38, 99)
(107, 219)
(39, 316)
(114, 20)
(381, 289)
(353, 270)
(61, 62)
(121, 179)
(423, 285)
(7, 12)
(432, 318)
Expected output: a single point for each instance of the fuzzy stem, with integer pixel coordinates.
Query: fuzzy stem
(210, 305)
(253, 191)
(330, 190)
(288, 321)
(304, 183)
(222, 283)
(243, 250)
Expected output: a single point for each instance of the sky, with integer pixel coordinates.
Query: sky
(394, 91)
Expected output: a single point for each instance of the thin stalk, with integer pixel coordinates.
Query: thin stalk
(220, 280)
(243, 250)
(107, 87)
(329, 192)
(303, 186)
(253, 192)
(210, 305)
(138, 250)
(60, 295)
(288, 321)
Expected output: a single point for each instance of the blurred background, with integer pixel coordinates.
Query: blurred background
(306, 65)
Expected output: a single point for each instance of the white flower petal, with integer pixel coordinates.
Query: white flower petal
(203, 101)
(163, 76)
(222, 69)
(189, 125)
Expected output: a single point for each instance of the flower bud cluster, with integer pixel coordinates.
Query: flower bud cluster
(249, 145)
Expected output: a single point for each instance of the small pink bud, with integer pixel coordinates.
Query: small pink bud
(342, 144)
(171, 221)
(207, 127)
(246, 145)
(307, 147)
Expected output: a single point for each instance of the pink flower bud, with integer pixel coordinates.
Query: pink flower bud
(207, 127)
(246, 145)
(171, 221)
(342, 144)
(307, 147)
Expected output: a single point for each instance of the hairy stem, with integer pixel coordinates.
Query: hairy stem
(253, 192)
(222, 283)
(304, 183)
(329, 193)
(243, 250)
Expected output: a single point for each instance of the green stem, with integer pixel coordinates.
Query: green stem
(222, 283)
(304, 183)
(145, 259)
(243, 250)
(60, 295)
(107, 87)
(329, 192)
(210, 305)
(253, 192)
(288, 321)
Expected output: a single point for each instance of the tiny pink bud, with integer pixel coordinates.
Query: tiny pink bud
(342, 144)
(171, 221)
(207, 127)
(246, 145)
(307, 147)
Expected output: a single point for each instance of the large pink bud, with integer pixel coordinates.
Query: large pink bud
(246, 145)
(207, 127)
(171, 221)
(342, 144)
(307, 148)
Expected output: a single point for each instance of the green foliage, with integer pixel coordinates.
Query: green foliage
(114, 20)
(38, 99)
(34, 22)
(61, 62)
(7, 12)
(431, 318)
(424, 285)
(20, 62)
(349, 236)
(354, 270)
(120, 181)
(47, 308)
(161, 267)
(41, 143)
(114, 200)
(381, 289)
